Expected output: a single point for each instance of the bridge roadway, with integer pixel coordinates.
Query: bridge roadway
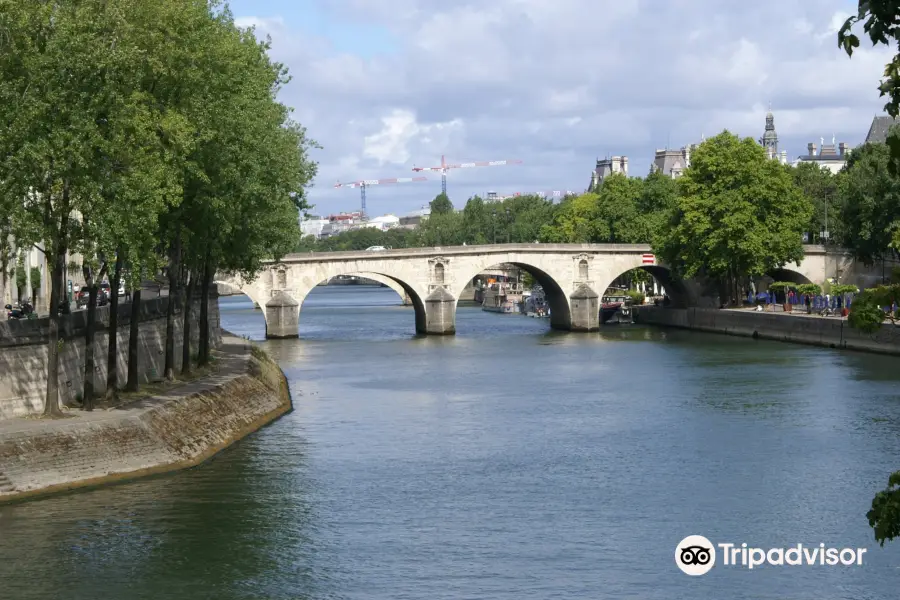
(573, 276)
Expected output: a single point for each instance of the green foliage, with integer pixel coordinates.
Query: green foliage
(21, 275)
(780, 287)
(809, 289)
(636, 297)
(738, 214)
(884, 516)
(844, 289)
(870, 193)
(820, 186)
(128, 124)
(441, 205)
(867, 312)
(623, 210)
(895, 274)
(35, 278)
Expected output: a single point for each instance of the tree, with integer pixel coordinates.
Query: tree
(658, 197)
(477, 221)
(576, 221)
(53, 60)
(618, 218)
(820, 186)
(443, 229)
(738, 214)
(441, 205)
(870, 209)
(880, 20)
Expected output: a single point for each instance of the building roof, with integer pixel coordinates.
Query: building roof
(879, 129)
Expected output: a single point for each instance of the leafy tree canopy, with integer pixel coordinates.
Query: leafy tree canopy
(738, 213)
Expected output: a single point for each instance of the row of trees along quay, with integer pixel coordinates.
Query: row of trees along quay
(144, 135)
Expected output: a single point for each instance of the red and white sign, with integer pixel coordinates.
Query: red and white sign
(648, 259)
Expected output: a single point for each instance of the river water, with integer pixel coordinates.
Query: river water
(505, 463)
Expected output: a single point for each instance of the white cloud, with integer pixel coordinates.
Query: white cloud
(559, 83)
(391, 145)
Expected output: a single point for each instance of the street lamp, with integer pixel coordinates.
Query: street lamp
(494, 225)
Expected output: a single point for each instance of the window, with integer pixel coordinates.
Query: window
(439, 274)
(583, 270)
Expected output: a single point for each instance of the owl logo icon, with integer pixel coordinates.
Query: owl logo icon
(695, 555)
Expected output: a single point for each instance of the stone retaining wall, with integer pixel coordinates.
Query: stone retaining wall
(163, 433)
(831, 332)
(23, 352)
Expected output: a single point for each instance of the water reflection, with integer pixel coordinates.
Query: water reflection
(507, 462)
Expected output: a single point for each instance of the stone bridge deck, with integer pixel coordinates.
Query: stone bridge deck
(573, 277)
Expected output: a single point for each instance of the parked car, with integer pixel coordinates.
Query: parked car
(376, 249)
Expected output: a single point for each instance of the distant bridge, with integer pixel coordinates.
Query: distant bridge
(573, 276)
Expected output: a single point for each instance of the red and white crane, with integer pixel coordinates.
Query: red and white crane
(363, 184)
(552, 194)
(446, 167)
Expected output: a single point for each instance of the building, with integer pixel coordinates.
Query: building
(879, 129)
(769, 140)
(383, 223)
(672, 162)
(828, 157)
(415, 218)
(312, 225)
(606, 167)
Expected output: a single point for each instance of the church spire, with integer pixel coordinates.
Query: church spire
(769, 140)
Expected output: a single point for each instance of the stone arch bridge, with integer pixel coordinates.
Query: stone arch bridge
(573, 276)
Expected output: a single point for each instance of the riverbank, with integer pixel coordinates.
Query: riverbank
(831, 332)
(174, 430)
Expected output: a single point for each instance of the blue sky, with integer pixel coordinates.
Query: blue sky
(345, 33)
(384, 86)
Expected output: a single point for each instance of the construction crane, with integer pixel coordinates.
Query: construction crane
(445, 167)
(362, 185)
(553, 194)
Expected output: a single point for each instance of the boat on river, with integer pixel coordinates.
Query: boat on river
(505, 297)
(616, 310)
(536, 304)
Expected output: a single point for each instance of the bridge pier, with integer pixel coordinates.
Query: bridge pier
(584, 306)
(440, 313)
(282, 315)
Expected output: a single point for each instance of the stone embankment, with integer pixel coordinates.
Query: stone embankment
(832, 332)
(174, 430)
(23, 352)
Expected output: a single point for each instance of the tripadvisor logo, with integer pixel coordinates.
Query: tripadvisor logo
(696, 555)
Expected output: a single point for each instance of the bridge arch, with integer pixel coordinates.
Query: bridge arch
(678, 291)
(545, 273)
(391, 283)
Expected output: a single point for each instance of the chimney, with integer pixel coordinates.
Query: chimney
(842, 148)
(812, 149)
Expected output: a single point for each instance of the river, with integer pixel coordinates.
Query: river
(505, 463)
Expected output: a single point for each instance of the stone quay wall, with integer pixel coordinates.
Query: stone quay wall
(176, 430)
(832, 332)
(23, 352)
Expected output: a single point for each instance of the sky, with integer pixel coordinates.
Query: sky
(386, 85)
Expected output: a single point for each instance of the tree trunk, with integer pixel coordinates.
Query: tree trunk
(87, 401)
(174, 259)
(186, 328)
(204, 312)
(51, 399)
(112, 355)
(134, 383)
